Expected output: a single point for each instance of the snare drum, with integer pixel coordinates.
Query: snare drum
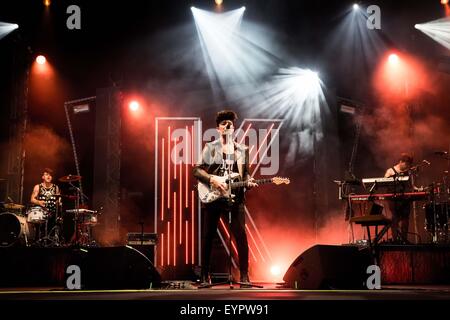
(37, 215)
(13, 229)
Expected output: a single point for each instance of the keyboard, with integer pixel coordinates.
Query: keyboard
(386, 180)
(390, 196)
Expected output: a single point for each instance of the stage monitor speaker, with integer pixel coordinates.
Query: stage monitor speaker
(329, 267)
(117, 268)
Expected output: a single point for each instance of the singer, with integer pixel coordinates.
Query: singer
(221, 157)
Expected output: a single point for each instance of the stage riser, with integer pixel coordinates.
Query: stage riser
(415, 265)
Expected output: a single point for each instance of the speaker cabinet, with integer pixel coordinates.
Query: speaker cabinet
(329, 267)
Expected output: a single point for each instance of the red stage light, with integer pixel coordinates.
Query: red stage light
(275, 270)
(444, 2)
(47, 3)
(134, 105)
(393, 58)
(41, 59)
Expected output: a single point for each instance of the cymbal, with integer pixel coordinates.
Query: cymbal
(70, 178)
(14, 206)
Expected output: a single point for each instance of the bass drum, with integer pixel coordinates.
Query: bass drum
(13, 230)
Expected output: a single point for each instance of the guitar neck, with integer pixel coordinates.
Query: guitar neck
(244, 183)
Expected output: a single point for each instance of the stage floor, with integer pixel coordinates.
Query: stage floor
(223, 292)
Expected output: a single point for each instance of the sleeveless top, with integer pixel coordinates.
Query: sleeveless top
(48, 195)
(401, 187)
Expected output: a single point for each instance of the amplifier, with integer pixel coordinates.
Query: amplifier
(143, 242)
(142, 239)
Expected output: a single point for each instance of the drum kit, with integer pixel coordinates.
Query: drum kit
(28, 226)
(437, 210)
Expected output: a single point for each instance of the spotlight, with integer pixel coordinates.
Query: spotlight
(134, 105)
(219, 2)
(275, 270)
(393, 58)
(355, 6)
(41, 59)
(47, 3)
(444, 2)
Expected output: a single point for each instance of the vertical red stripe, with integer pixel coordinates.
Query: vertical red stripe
(162, 249)
(192, 226)
(181, 203)
(186, 158)
(175, 228)
(168, 168)
(168, 243)
(192, 146)
(175, 146)
(162, 182)
(187, 243)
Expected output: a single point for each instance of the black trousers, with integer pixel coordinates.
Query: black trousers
(401, 211)
(212, 213)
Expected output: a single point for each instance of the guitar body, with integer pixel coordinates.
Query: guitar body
(208, 194)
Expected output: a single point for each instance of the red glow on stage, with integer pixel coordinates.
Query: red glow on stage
(41, 60)
(447, 10)
(400, 78)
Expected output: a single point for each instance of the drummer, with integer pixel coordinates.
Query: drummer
(45, 195)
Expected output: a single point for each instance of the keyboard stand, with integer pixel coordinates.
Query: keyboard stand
(374, 221)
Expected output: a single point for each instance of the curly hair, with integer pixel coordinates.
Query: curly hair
(225, 115)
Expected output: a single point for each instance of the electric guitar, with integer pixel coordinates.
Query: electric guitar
(208, 194)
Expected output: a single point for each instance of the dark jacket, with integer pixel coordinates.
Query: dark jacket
(211, 161)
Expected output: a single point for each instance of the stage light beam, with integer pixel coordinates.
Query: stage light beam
(438, 30)
(6, 28)
(355, 6)
(444, 2)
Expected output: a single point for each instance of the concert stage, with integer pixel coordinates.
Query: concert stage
(320, 267)
(270, 292)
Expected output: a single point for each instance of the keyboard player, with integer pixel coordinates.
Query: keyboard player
(401, 208)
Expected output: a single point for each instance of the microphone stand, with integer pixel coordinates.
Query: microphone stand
(78, 229)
